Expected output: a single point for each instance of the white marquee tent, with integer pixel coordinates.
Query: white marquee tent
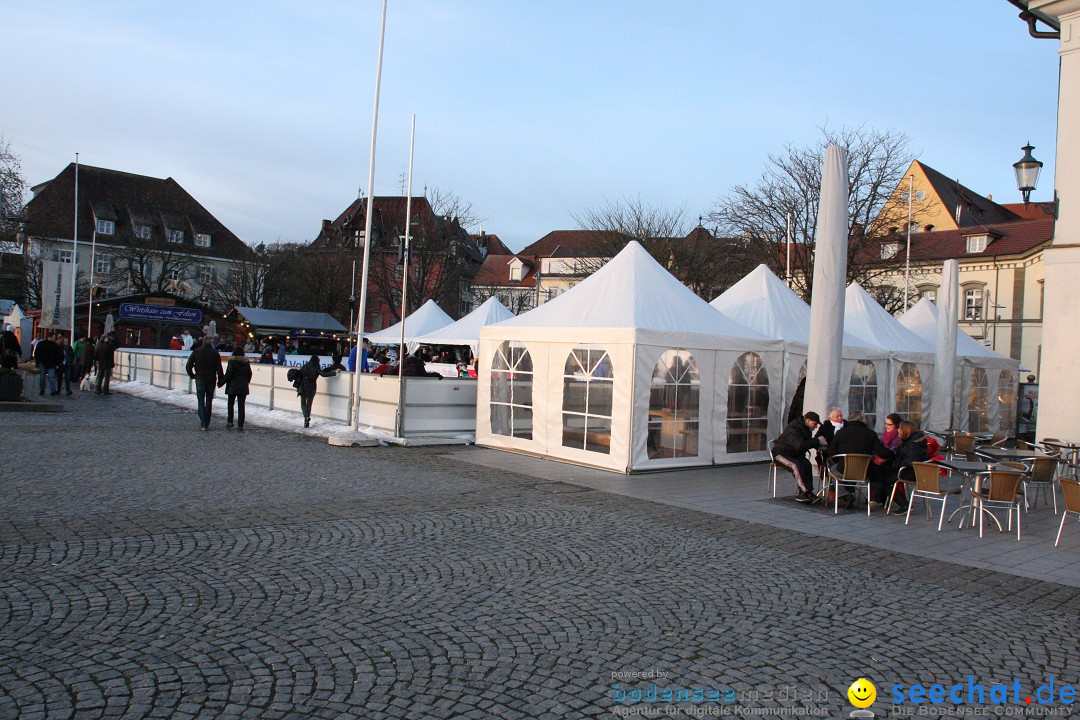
(989, 378)
(428, 318)
(466, 331)
(629, 370)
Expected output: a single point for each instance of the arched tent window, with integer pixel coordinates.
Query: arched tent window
(1006, 401)
(979, 401)
(587, 383)
(748, 405)
(909, 393)
(862, 394)
(673, 406)
(511, 391)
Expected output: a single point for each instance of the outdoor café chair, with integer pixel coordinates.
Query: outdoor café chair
(997, 440)
(1070, 489)
(849, 470)
(997, 489)
(905, 479)
(928, 487)
(774, 468)
(1041, 474)
(963, 443)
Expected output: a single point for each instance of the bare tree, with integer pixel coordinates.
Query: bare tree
(12, 193)
(245, 283)
(447, 204)
(516, 300)
(791, 184)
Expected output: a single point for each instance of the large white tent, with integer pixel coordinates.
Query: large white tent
(466, 331)
(629, 370)
(988, 379)
(762, 302)
(428, 318)
(911, 358)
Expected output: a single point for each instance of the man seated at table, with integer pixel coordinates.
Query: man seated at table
(855, 437)
(790, 451)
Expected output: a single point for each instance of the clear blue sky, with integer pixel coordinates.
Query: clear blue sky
(531, 111)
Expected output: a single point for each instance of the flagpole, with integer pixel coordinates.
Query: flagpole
(75, 250)
(405, 287)
(368, 219)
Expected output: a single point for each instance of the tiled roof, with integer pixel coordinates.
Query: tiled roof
(128, 199)
(572, 243)
(389, 217)
(493, 244)
(495, 272)
(1013, 238)
(1032, 211)
(974, 208)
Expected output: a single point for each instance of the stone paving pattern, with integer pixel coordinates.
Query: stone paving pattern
(151, 570)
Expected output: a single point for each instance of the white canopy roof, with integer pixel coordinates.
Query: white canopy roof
(762, 302)
(866, 319)
(428, 318)
(634, 296)
(922, 318)
(466, 331)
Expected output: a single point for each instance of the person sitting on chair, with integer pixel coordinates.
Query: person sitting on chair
(790, 451)
(858, 439)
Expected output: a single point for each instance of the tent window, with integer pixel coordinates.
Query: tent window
(862, 395)
(511, 391)
(748, 405)
(909, 393)
(587, 384)
(979, 401)
(673, 406)
(1006, 401)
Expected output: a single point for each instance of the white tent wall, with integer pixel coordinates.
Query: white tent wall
(773, 361)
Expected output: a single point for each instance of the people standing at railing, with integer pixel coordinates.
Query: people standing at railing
(308, 385)
(186, 341)
(237, 381)
(105, 355)
(204, 367)
(281, 353)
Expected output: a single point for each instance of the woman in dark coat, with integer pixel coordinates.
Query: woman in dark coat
(236, 382)
(912, 449)
(309, 384)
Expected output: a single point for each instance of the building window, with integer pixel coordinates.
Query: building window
(587, 399)
(515, 272)
(202, 240)
(511, 391)
(929, 293)
(673, 406)
(61, 255)
(973, 304)
(909, 393)
(889, 250)
(206, 274)
(103, 264)
(106, 227)
(976, 244)
(143, 232)
(174, 236)
(748, 405)
(979, 401)
(920, 195)
(862, 393)
(1006, 401)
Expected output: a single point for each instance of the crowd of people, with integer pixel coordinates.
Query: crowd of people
(89, 362)
(893, 452)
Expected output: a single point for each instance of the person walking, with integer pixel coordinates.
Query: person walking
(10, 348)
(308, 383)
(105, 355)
(236, 381)
(204, 367)
(48, 357)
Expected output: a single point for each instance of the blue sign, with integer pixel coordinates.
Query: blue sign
(133, 311)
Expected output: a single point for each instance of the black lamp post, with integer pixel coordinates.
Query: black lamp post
(1027, 172)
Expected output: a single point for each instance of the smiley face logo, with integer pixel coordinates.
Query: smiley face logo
(862, 693)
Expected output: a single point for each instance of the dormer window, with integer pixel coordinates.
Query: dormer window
(889, 250)
(515, 271)
(976, 243)
(143, 232)
(106, 227)
(174, 236)
(202, 240)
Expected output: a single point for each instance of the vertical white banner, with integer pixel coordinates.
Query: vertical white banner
(56, 285)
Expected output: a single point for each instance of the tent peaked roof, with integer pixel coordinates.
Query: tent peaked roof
(634, 291)
(922, 320)
(429, 317)
(466, 331)
(866, 319)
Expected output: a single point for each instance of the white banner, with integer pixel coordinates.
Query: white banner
(56, 295)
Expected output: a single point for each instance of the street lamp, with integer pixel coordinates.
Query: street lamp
(1027, 172)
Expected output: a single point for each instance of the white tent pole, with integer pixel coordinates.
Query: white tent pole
(75, 250)
(907, 257)
(400, 429)
(369, 216)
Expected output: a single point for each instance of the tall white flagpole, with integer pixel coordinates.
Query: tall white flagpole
(907, 255)
(75, 250)
(368, 219)
(405, 286)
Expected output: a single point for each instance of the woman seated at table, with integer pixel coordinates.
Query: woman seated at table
(856, 438)
(912, 449)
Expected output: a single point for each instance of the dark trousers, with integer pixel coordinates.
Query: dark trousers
(46, 372)
(204, 392)
(305, 405)
(240, 401)
(104, 376)
(800, 467)
(63, 377)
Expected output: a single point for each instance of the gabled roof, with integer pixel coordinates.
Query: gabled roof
(573, 243)
(492, 243)
(466, 331)
(128, 199)
(428, 318)
(974, 208)
(866, 319)
(1018, 237)
(287, 320)
(922, 319)
(495, 272)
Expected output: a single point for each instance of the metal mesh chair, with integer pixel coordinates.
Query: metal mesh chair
(774, 468)
(1070, 490)
(849, 470)
(1041, 474)
(963, 443)
(928, 487)
(1001, 493)
(904, 479)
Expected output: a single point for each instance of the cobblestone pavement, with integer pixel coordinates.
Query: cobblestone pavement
(151, 570)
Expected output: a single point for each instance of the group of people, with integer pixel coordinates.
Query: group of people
(901, 444)
(59, 363)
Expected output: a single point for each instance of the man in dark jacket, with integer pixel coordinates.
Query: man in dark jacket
(204, 367)
(308, 384)
(105, 354)
(10, 348)
(413, 366)
(48, 357)
(855, 437)
(790, 451)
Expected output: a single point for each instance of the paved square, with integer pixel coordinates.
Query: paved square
(151, 570)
